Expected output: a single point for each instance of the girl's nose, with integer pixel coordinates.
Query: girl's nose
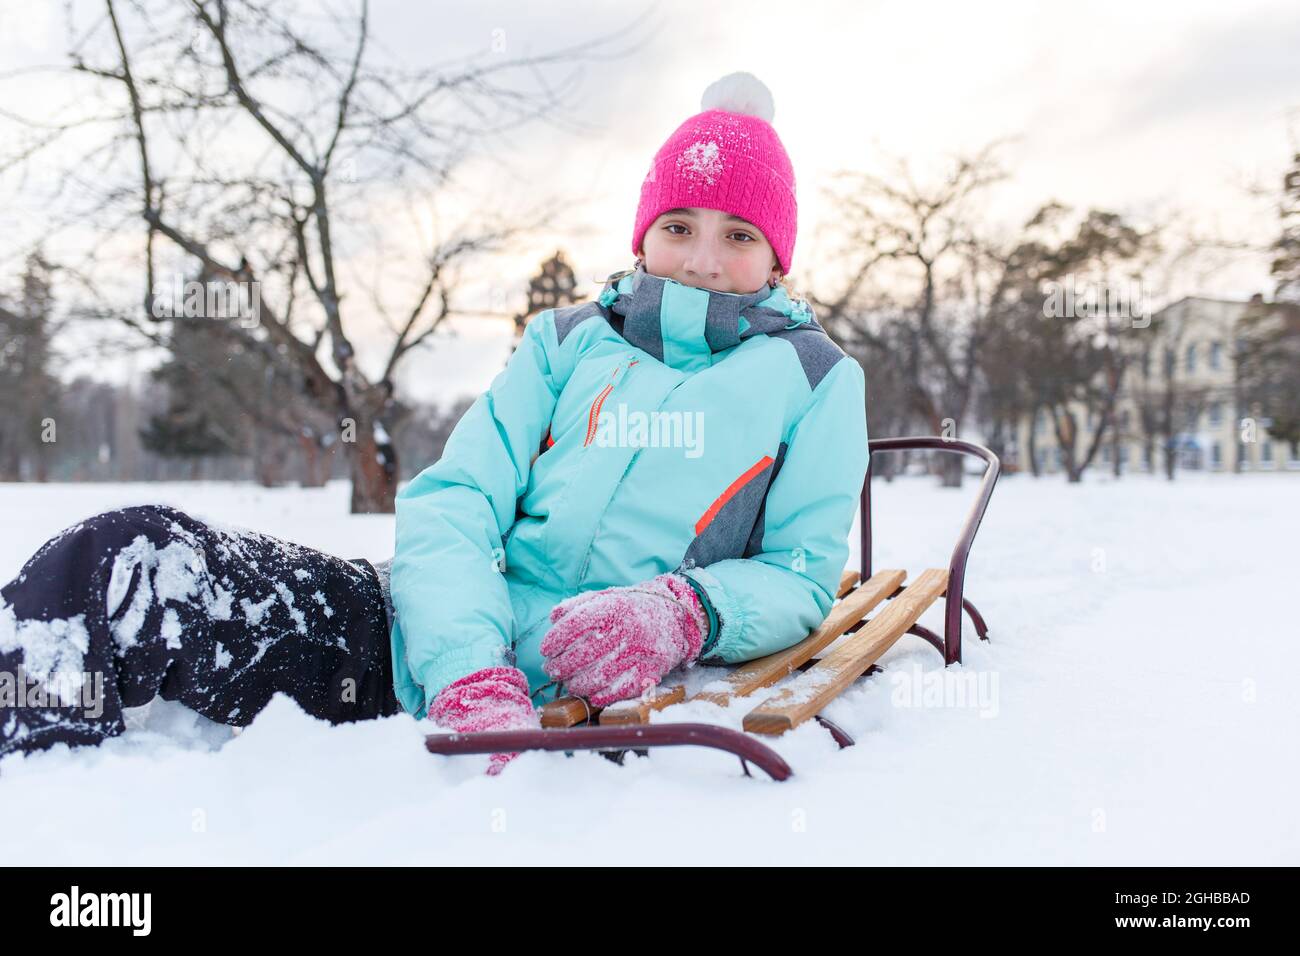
(703, 261)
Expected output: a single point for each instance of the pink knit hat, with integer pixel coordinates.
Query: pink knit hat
(727, 157)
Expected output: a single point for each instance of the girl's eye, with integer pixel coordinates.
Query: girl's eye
(746, 237)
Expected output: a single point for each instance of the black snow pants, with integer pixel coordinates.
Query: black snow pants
(150, 601)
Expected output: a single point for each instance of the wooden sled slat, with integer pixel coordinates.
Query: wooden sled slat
(566, 712)
(808, 694)
(857, 604)
(637, 710)
(848, 581)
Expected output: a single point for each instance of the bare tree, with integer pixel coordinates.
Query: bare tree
(1081, 362)
(920, 244)
(1168, 406)
(262, 153)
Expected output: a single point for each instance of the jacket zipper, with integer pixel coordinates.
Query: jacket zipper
(593, 414)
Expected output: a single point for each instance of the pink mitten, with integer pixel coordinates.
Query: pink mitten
(613, 644)
(494, 698)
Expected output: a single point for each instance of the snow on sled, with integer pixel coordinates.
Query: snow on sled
(570, 724)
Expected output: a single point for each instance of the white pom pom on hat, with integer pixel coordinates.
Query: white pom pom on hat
(740, 92)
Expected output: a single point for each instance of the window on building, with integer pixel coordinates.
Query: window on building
(1191, 357)
(1216, 455)
(1216, 413)
(1266, 452)
(1216, 355)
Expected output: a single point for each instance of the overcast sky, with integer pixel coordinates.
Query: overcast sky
(1130, 106)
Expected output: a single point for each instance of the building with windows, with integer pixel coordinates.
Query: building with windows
(1179, 396)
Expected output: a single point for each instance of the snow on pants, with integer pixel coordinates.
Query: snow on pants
(150, 601)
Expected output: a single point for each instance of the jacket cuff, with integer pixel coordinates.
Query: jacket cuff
(715, 622)
(459, 663)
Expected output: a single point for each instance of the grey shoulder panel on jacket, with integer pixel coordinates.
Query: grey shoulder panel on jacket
(569, 317)
(818, 354)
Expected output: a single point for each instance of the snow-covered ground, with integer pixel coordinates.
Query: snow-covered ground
(1137, 705)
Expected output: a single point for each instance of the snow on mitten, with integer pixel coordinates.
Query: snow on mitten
(571, 604)
(494, 698)
(616, 643)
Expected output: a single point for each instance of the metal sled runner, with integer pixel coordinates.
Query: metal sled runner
(571, 724)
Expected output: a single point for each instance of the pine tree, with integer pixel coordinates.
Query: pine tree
(29, 391)
(551, 288)
(1286, 265)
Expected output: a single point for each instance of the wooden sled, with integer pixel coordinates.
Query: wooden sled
(570, 723)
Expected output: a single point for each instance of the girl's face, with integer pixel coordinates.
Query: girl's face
(709, 249)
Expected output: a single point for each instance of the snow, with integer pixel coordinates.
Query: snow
(1135, 706)
(299, 619)
(320, 599)
(53, 651)
(174, 581)
(253, 613)
(171, 628)
(701, 162)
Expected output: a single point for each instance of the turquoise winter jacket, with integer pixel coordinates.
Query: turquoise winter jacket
(660, 427)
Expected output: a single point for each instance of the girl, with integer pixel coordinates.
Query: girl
(665, 474)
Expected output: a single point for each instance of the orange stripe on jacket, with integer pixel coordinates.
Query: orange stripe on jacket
(732, 488)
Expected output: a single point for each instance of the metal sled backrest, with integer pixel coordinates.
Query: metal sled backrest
(950, 644)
